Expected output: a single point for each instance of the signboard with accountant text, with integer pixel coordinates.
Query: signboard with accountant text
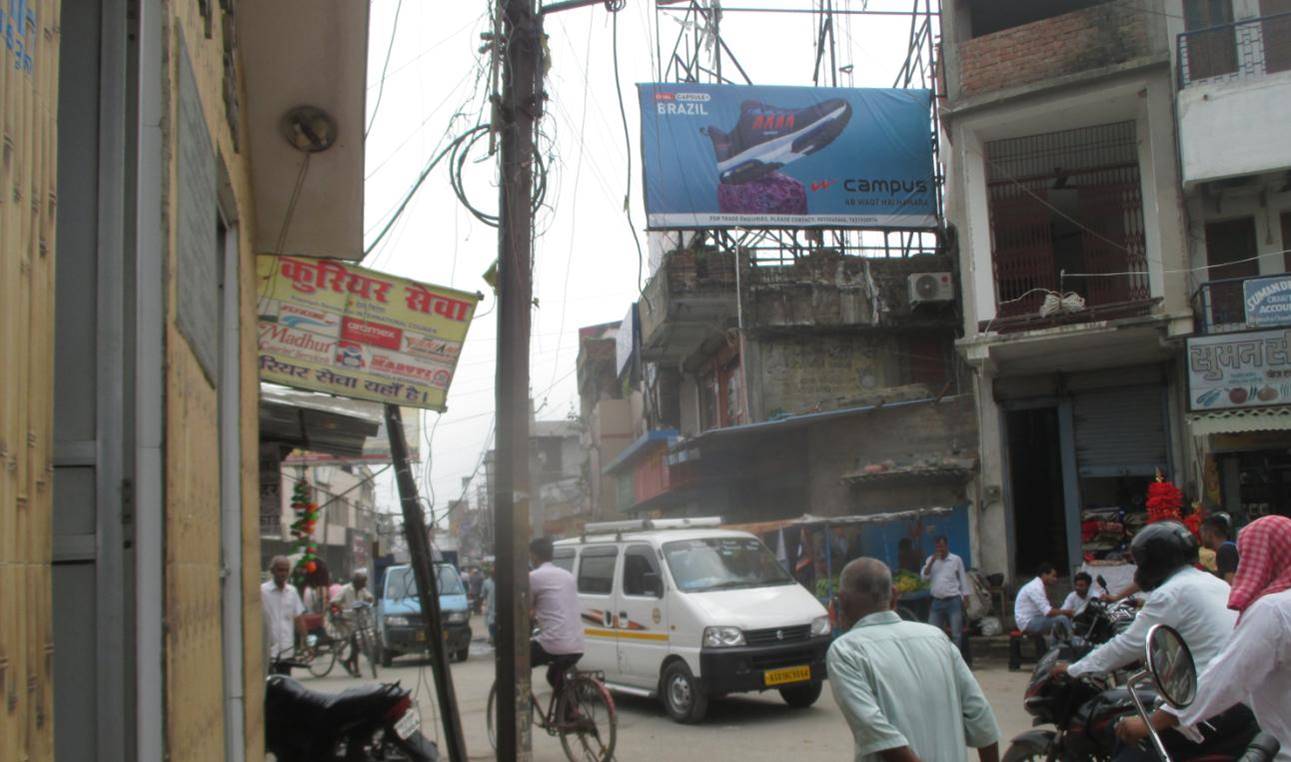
(345, 330)
(1239, 370)
(724, 156)
(1268, 300)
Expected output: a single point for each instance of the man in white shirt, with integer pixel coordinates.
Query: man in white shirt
(1032, 611)
(556, 610)
(356, 591)
(1078, 599)
(1255, 666)
(1193, 602)
(949, 589)
(283, 610)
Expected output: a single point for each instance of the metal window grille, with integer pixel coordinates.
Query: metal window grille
(1247, 49)
(1066, 212)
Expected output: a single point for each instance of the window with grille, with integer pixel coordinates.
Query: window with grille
(1066, 213)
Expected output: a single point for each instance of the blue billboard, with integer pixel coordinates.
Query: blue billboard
(722, 156)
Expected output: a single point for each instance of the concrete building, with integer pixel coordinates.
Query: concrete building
(1082, 208)
(145, 165)
(823, 384)
(606, 412)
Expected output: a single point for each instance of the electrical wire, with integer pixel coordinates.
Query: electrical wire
(291, 203)
(627, 142)
(385, 67)
(478, 129)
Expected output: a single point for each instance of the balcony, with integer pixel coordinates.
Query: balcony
(827, 291)
(689, 302)
(1228, 305)
(1104, 37)
(1234, 99)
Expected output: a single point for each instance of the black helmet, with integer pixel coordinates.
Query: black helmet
(1160, 550)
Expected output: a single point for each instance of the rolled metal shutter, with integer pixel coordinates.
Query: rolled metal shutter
(1120, 431)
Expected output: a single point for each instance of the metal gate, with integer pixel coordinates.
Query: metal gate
(1120, 431)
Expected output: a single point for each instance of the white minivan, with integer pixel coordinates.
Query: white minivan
(685, 611)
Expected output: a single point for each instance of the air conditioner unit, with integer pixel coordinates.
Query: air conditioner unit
(931, 287)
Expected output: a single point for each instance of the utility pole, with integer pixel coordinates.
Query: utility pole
(515, 116)
(414, 527)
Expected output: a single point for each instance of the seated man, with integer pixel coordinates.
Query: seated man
(1078, 599)
(1033, 612)
(556, 611)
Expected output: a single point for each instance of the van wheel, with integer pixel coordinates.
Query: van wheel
(682, 695)
(802, 696)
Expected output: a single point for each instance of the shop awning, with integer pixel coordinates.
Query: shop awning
(1272, 418)
(660, 436)
(316, 422)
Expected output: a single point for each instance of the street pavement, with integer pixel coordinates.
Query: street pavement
(746, 727)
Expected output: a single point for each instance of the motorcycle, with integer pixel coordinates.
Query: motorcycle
(368, 723)
(1084, 711)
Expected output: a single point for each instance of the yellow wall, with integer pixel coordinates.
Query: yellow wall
(28, 176)
(194, 680)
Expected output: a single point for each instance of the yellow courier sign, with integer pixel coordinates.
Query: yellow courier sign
(358, 333)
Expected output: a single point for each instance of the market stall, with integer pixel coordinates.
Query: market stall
(816, 548)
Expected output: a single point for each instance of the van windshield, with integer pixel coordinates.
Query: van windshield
(723, 563)
(402, 584)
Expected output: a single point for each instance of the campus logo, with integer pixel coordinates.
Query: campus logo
(820, 185)
(682, 104)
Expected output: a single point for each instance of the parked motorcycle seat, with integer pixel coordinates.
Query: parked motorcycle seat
(334, 708)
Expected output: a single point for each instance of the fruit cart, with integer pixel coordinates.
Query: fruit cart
(901, 539)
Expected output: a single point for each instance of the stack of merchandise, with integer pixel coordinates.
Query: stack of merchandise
(1103, 533)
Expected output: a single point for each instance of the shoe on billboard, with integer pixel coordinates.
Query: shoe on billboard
(767, 138)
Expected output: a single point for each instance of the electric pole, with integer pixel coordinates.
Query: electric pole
(515, 116)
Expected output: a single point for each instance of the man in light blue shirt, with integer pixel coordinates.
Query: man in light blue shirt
(903, 687)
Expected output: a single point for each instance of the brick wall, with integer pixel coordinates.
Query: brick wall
(1083, 40)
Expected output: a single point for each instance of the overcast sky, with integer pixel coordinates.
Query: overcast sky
(585, 268)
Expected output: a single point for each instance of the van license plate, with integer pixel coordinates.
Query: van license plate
(787, 675)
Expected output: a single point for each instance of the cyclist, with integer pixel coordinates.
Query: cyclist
(356, 591)
(555, 610)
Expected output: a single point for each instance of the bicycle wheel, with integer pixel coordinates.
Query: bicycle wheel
(491, 715)
(323, 658)
(588, 732)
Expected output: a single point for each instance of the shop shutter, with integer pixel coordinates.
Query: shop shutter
(1120, 431)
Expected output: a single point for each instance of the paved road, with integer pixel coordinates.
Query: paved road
(746, 728)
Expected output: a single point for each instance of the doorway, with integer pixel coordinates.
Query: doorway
(1231, 247)
(1036, 480)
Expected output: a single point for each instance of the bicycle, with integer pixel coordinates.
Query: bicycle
(588, 733)
(321, 652)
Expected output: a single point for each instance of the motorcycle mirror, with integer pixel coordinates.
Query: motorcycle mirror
(1103, 584)
(1170, 663)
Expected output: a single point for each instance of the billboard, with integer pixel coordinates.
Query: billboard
(358, 333)
(721, 156)
(1239, 370)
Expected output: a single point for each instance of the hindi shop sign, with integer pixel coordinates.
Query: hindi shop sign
(1268, 300)
(358, 333)
(1239, 370)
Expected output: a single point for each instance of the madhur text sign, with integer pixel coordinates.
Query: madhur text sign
(345, 330)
